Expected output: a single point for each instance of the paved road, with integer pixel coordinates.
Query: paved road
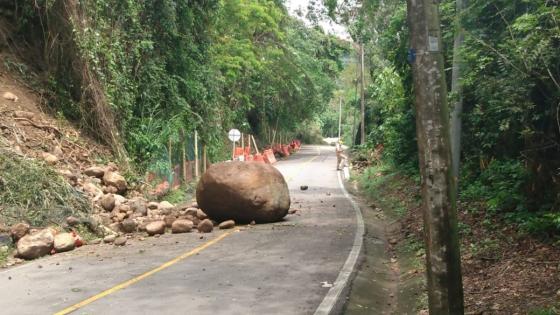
(264, 269)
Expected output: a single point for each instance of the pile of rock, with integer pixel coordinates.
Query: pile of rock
(34, 243)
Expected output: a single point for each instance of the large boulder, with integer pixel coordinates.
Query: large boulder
(35, 245)
(18, 231)
(244, 192)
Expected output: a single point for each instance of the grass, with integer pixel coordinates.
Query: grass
(180, 195)
(33, 192)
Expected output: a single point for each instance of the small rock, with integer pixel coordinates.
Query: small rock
(169, 219)
(128, 226)
(303, 187)
(72, 221)
(152, 205)
(194, 204)
(10, 96)
(227, 224)
(201, 214)
(64, 242)
(95, 171)
(121, 216)
(393, 241)
(292, 211)
(95, 241)
(205, 226)
(181, 226)
(252, 222)
(155, 228)
(119, 200)
(107, 202)
(116, 180)
(110, 189)
(191, 211)
(109, 238)
(18, 231)
(115, 227)
(49, 158)
(138, 206)
(120, 241)
(165, 205)
(35, 245)
(92, 189)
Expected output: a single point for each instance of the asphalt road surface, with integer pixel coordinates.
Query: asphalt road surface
(298, 266)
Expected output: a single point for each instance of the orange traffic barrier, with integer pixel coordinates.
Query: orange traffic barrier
(269, 157)
(258, 158)
(285, 150)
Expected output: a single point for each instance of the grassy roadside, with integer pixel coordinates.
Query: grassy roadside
(505, 270)
(390, 192)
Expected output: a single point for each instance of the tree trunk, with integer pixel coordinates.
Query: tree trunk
(443, 262)
(362, 98)
(457, 90)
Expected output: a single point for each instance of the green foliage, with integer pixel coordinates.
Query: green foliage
(34, 193)
(500, 186)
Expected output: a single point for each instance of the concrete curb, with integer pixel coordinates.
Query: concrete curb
(334, 300)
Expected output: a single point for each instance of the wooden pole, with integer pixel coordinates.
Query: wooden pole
(184, 155)
(362, 97)
(443, 260)
(196, 154)
(204, 163)
(255, 143)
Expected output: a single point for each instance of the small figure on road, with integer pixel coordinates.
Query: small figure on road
(340, 156)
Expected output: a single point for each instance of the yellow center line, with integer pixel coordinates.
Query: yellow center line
(141, 277)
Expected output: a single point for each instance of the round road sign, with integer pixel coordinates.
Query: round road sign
(234, 135)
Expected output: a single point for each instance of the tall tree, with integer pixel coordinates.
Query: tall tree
(362, 98)
(457, 90)
(443, 263)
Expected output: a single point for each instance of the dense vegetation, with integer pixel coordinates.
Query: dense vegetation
(139, 73)
(511, 93)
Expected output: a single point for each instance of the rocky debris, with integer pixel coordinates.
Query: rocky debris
(10, 96)
(169, 219)
(109, 238)
(107, 202)
(303, 187)
(201, 215)
(57, 151)
(92, 190)
(35, 245)
(292, 211)
(243, 192)
(64, 242)
(120, 241)
(181, 226)
(205, 226)
(18, 231)
(156, 227)
(95, 171)
(129, 226)
(194, 204)
(115, 227)
(114, 179)
(166, 207)
(191, 211)
(138, 206)
(227, 224)
(119, 200)
(49, 158)
(152, 205)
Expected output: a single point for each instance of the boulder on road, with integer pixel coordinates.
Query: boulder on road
(243, 191)
(64, 242)
(156, 227)
(128, 226)
(181, 226)
(35, 245)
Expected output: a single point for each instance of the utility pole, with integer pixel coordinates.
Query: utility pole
(339, 116)
(443, 260)
(362, 97)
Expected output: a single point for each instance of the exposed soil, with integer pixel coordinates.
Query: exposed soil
(505, 271)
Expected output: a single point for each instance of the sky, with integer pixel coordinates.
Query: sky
(327, 24)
